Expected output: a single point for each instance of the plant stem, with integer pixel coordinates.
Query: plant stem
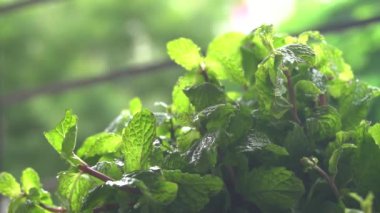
(322, 100)
(204, 72)
(51, 208)
(329, 180)
(172, 131)
(88, 170)
(292, 97)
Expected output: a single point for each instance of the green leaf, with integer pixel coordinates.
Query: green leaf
(112, 169)
(22, 204)
(194, 191)
(374, 131)
(215, 117)
(307, 90)
(181, 103)
(73, 188)
(63, 136)
(328, 59)
(354, 102)
(97, 196)
(273, 189)
(9, 186)
(334, 159)
(224, 58)
(30, 179)
(271, 89)
(135, 105)
(150, 183)
(366, 167)
(100, 144)
(185, 53)
(297, 143)
(204, 95)
(294, 54)
(256, 140)
(120, 122)
(323, 123)
(203, 154)
(138, 140)
(365, 204)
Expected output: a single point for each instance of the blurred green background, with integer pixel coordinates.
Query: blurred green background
(48, 42)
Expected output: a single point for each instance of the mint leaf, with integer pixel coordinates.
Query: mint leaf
(72, 188)
(328, 59)
(292, 55)
(204, 95)
(150, 183)
(135, 105)
(100, 144)
(335, 157)
(307, 90)
(30, 179)
(203, 154)
(366, 167)
(194, 191)
(323, 123)
(273, 189)
(138, 140)
(120, 122)
(354, 102)
(63, 137)
(374, 131)
(256, 140)
(185, 53)
(9, 186)
(270, 87)
(224, 58)
(181, 103)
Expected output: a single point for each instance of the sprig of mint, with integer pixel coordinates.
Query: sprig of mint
(264, 122)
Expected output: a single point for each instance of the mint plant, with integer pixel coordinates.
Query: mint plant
(264, 122)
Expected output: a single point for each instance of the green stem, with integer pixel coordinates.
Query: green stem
(88, 170)
(329, 180)
(52, 209)
(292, 97)
(322, 100)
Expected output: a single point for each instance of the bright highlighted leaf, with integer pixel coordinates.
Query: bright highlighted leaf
(194, 191)
(100, 144)
(135, 105)
(185, 53)
(72, 188)
(374, 131)
(224, 58)
(273, 188)
(30, 179)
(181, 103)
(138, 140)
(204, 95)
(9, 187)
(63, 136)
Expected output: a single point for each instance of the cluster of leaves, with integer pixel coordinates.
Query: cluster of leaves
(265, 122)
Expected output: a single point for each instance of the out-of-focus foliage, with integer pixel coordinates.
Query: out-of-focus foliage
(67, 40)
